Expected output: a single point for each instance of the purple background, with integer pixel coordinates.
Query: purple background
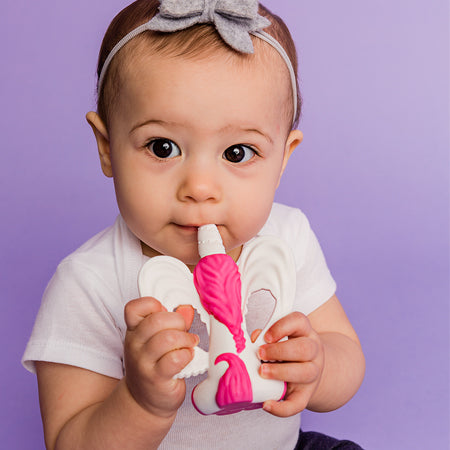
(372, 175)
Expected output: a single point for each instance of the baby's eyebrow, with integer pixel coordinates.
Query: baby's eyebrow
(247, 130)
(225, 129)
(150, 122)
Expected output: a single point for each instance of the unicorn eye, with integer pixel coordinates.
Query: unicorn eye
(239, 153)
(164, 148)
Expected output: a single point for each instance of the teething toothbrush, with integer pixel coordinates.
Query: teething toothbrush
(219, 290)
(233, 371)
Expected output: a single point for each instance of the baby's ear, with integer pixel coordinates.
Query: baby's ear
(294, 139)
(102, 138)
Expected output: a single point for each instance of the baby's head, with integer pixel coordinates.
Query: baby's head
(192, 130)
(196, 41)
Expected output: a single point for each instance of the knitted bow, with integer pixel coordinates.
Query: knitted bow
(233, 19)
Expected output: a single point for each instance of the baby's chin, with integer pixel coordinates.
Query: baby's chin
(190, 259)
(188, 256)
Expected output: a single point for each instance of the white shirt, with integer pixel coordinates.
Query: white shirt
(81, 323)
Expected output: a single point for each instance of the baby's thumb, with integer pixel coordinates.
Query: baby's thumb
(187, 311)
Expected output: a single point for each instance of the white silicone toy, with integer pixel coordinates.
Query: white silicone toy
(266, 263)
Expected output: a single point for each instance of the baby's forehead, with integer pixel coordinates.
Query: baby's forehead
(145, 55)
(265, 60)
(269, 35)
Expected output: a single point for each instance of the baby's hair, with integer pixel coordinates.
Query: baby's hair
(191, 42)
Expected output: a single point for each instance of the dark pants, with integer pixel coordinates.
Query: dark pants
(311, 440)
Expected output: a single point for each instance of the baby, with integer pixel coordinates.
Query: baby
(197, 112)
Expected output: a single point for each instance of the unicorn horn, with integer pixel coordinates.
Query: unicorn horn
(209, 241)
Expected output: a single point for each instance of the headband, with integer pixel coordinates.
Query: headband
(235, 21)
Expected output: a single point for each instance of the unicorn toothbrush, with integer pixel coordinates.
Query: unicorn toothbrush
(219, 290)
(232, 371)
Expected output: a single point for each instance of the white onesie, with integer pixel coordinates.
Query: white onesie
(81, 323)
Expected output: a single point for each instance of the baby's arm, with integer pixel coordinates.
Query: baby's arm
(323, 362)
(85, 410)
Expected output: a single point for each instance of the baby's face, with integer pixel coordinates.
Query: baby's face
(196, 142)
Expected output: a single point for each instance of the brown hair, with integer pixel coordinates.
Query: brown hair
(189, 42)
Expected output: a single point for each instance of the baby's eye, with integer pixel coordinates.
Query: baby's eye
(238, 153)
(164, 148)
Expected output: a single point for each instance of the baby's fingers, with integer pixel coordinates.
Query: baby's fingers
(303, 373)
(297, 349)
(138, 309)
(296, 402)
(187, 311)
(174, 362)
(155, 323)
(293, 325)
(170, 351)
(169, 341)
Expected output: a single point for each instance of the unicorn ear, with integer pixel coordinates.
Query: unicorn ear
(170, 281)
(267, 264)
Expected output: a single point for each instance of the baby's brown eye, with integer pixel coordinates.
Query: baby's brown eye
(164, 148)
(238, 153)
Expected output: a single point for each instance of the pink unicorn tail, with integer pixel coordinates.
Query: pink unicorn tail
(235, 386)
(218, 283)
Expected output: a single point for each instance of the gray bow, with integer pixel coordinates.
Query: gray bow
(233, 19)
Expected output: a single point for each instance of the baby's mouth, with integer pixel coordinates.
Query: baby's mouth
(192, 225)
(187, 228)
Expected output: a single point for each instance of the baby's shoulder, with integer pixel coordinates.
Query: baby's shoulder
(109, 261)
(292, 226)
(286, 222)
(95, 254)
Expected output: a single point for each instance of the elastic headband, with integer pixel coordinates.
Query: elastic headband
(235, 21)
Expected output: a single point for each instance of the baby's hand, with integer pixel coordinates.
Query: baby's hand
(157, 347)
(301, 361)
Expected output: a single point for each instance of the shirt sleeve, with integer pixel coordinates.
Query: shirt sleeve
(74, 325)
(315, 284)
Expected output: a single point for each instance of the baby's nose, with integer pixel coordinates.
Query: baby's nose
(200, 184)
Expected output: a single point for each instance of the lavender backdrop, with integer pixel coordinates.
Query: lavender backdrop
(372, 174)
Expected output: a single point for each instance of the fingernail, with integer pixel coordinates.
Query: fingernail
(265, 370)
(267, 406)
(268, 337)
(261, 353)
